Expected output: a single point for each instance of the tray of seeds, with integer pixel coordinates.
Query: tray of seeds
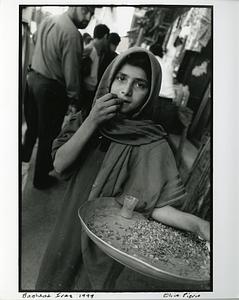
(144, 245)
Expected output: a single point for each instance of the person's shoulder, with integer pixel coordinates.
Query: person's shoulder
(94, 54)
(111, 55)
(46, 22)
(66, 26)
(63, 19)
(87, 50)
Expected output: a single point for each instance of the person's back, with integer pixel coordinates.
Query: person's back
(90, 81)
(54, 83)
(167, 89)
(56, 38)
(110, 53)
(91, 56)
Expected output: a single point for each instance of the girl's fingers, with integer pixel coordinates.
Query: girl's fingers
(105, 98)
(106, 107)
(110, 116)
(112, 102)
(110, 109)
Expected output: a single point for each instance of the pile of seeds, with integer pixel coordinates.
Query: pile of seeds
(164, 247)
(175, 251)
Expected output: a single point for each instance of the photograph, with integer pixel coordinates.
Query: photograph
(115, 148)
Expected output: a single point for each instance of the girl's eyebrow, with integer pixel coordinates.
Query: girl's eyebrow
(141, 79)
(136, 78)
(121, 73)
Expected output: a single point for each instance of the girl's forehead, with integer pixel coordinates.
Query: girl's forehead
(133, 71)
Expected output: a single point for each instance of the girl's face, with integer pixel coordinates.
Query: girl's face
(130, 85)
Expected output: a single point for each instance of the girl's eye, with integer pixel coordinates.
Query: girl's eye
(120, 77)
(141, 85)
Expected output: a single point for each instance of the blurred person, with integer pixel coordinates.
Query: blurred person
(113, 41)
(87, 38)
(91, 60)
(167, 87)
(174, 118)
(53, 83)
(110, 53)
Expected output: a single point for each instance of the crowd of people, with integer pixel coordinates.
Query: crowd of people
(65, 70)
(110, 146)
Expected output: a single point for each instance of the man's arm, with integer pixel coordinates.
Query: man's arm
(182, 220)
(71, 66)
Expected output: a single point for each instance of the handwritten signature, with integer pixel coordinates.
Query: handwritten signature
(187, 295)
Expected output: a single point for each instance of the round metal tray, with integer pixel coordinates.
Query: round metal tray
(144, 266)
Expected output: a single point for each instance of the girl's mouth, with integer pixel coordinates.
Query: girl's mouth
(124, 101)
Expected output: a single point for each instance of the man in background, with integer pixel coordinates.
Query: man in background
(174, 118)
(167, 85)
(54, 82)
(110, 53)
(86, 39)
(91, 60)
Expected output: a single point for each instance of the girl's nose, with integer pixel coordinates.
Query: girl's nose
(127, 89)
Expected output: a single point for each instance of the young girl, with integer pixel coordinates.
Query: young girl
(116, 149)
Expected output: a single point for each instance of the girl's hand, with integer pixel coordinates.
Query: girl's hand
(105, 108)
(204, 230)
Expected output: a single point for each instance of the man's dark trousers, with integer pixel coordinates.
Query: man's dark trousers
(45, 106)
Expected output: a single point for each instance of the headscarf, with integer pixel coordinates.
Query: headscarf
(138, 160)
(139, 129)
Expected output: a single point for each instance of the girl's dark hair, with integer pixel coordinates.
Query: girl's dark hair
(140, 60)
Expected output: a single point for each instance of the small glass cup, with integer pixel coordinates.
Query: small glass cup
(128, 206)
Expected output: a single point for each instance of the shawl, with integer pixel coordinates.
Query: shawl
(137, 144)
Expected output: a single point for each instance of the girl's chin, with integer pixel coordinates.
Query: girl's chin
(125, 109)
(124, 114)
